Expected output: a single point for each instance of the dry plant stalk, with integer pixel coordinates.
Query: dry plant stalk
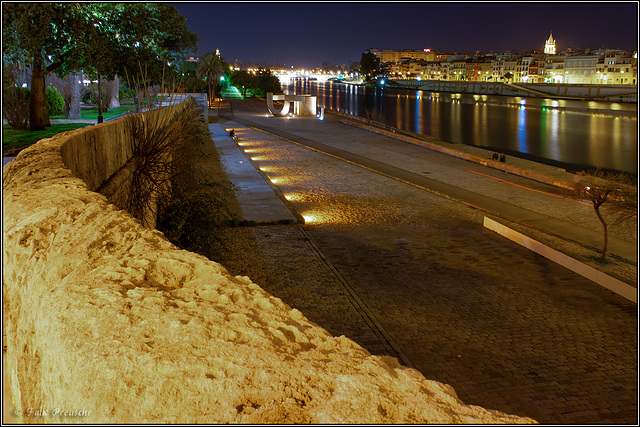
(15, 107)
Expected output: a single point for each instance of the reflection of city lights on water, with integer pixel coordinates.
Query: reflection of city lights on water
(266, 168)
(250, 150)
(258, 158)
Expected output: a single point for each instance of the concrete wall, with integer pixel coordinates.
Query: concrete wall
(108, 322)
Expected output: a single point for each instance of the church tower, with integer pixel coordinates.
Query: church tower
(550, 46)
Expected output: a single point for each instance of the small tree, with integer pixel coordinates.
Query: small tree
(617, 190)
(15, 100)
(15, 106)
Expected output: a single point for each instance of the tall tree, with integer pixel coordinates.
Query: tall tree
(210, 67)
(245, 80)
(101, 38)
(369, 65)
(267, 82)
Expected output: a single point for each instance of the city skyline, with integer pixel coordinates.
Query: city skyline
(304, 34)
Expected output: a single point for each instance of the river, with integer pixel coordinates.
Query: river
(566, 133)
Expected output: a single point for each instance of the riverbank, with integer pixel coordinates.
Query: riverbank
(578, 92)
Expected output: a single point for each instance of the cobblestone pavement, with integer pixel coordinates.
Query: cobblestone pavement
(415, 275)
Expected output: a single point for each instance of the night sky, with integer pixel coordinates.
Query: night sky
(306, 34)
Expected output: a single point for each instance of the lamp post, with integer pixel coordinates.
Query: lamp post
(100, 120)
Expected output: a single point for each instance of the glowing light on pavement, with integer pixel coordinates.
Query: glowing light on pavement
(294, 197)
(308, 218)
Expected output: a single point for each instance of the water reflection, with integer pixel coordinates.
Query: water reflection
(576, 134)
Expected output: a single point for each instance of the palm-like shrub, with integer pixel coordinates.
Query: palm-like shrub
(211, 67)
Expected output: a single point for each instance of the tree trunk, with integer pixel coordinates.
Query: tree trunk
(74, 105)
(606, 233)
(114, 102)
(37, 119)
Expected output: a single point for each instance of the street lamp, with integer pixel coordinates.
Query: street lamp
(100, 119)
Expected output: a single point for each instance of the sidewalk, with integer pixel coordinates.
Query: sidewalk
(257, 196)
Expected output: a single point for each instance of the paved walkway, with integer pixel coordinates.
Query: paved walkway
(257, 196)
(411, 274)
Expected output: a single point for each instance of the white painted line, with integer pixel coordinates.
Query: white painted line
(615, 285)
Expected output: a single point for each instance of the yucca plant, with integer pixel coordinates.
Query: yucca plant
(164, 145)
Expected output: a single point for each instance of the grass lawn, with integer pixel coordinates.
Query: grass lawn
(17, 139)
(92, 114)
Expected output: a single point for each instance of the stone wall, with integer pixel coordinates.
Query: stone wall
(108, 322)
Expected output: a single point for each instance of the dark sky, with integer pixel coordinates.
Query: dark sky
(305, 34)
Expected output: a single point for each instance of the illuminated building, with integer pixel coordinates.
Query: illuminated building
(550, 46)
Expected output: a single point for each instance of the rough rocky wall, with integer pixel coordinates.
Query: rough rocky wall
(108, 322)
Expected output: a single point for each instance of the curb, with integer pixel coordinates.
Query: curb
(614, 285)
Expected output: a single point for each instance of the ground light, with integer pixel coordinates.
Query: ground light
(294, 197)
(308, 218)
(279, 180)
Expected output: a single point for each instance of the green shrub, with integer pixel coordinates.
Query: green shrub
(55, 101)
(15, 106)
(190, 217)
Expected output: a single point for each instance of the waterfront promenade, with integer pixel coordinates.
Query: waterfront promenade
(413, 274)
